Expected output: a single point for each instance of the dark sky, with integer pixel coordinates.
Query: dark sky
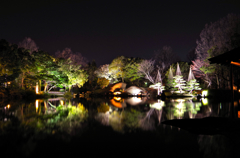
(103, 30)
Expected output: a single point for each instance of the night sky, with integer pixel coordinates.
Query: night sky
(104, 30)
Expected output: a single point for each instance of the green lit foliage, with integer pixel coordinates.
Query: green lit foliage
(131, 69)
(53, 119)
(102, 82)
(48, 70)
(76, 75)
(124, 68)
(184, 69)
(69, 117)
(116, 68)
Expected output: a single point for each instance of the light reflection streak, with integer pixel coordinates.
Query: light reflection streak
(36, 105)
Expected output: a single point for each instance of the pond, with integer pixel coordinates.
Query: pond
(116, 126)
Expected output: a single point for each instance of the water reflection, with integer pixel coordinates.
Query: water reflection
(130, 115)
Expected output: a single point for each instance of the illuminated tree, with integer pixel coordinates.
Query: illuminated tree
(76, 75)
(184, 69)
(178, 81)
(117, 67)
(47, 70)
(102, 82)
(158, 83)
(103, 72)
(131, 69)
(215, 39)
(198, 67)
(191, 83)
(146, 67)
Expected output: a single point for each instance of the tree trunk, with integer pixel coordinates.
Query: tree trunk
(45, 87)
(22, 82)
(217, 81)
(40, 85)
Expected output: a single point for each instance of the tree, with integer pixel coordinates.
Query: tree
(47, 70)
(131, 69)
(28, 44)
(91, 68)
(27, 68)
(76, 75)
(74, 57)
(10, 61)
(178, 81)
(197, 68)
(102, 82)
(116, 68)
(146, 67)
(191, 83)
(184, 69)
(103, 72)
(164, 58)
(215, 39)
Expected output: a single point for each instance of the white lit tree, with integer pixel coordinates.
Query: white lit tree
(158, 83)
(191, 83)
(178, 81)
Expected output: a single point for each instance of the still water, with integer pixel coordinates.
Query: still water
(112, 127)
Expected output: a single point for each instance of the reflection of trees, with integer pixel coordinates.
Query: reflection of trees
(193, 108)
(178, 107)
(131, 119)
(49, 118)
(148, 123)
(125, 120)
(115, 121)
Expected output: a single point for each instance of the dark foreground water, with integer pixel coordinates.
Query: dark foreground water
(117, 127)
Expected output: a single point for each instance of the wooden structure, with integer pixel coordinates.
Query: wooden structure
(229, 58)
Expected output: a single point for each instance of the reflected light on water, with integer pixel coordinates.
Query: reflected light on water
(204, 93)
(36, 104)
(37, 91)
(134, 100)
(118, 102)
(235, 103)
(158, 105)
(204, 101)
(117, 98)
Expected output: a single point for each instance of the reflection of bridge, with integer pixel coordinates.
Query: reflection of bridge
(56, 93)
